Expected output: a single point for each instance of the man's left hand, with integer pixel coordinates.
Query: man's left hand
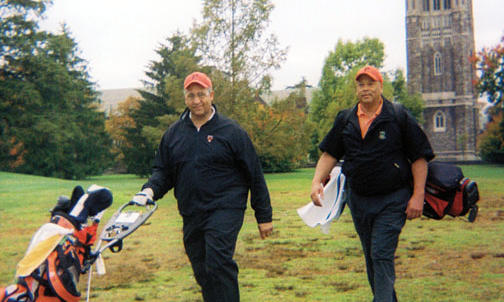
(265, 229)
(415, 207)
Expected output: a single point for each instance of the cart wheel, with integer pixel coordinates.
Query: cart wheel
(117, 247)
(473, 212)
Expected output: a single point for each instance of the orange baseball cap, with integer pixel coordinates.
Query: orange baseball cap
(198, 78)
(371, 72)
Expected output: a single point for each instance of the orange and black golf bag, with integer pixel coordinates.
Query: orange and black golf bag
(56, 255)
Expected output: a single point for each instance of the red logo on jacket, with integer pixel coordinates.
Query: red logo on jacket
(209, 138)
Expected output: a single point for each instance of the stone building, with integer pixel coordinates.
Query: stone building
(440, 41)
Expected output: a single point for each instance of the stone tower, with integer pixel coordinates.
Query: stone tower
(440, 41)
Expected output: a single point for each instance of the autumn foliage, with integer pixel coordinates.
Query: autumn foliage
(489, 63)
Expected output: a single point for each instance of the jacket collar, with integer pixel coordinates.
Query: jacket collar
(387, 112)
(185, 115)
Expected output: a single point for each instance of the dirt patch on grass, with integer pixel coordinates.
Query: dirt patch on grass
(272, 260)
(464, 264)
(296, 258)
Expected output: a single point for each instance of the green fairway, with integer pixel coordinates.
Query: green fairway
(447, 260)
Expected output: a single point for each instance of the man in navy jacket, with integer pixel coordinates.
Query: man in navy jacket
(385, 156)
(211, 163)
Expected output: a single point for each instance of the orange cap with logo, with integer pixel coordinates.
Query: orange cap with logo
(371, 72)
(198, 78)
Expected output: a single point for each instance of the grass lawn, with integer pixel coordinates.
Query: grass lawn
(447, 260)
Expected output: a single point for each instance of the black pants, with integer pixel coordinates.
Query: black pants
(379, 220)
(210, 241)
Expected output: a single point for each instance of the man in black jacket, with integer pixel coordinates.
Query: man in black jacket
(385, 156)
(211, 163)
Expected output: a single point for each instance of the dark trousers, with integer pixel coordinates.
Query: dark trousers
(210, 241)
(379, 220)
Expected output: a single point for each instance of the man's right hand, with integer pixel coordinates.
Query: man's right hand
(324, 166)
(265, 229)
(317, 193)
(143, 197)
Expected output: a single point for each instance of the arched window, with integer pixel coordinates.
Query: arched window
(439, 122)
(447, 4)
(438, 64)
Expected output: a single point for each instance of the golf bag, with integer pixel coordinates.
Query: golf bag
(448, 192)
(53, 262)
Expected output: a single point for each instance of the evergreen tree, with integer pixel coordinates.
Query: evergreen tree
(52, 125)
(18, 39)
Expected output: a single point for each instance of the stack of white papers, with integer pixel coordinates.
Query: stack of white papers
(332, 203)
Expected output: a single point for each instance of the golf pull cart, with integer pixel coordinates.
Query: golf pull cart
(128, 218)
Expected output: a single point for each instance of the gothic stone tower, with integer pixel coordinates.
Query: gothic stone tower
(440, 41)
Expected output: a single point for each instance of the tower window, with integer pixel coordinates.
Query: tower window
(425, 25)
(447, 4)
(439, 122)
(413, 4)
(438, 65)
(426, 5)
(436, 4)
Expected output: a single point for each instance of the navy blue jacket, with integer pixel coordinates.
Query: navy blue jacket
(213, 168)
(379, 163)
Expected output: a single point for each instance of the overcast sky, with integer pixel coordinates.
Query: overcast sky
(118, 38)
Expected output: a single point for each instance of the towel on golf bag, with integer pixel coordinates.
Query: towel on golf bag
(333, 203)
(51, 267)
(448, 192)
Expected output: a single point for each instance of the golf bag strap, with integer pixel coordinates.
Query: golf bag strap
(55, 282)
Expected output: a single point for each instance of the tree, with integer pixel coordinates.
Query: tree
(68, 137)
(162, 102)
(18, 39)
(490, 65)
(51, 124)
(491, 142)
(19, 33)
(279, 133)
(118, 121)
(233, 39)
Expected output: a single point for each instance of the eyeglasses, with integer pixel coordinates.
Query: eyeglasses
(191, 96)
